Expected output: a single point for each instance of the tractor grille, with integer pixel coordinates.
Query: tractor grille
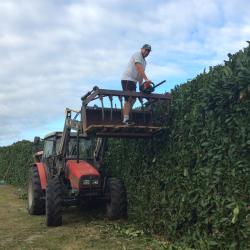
(90, 185)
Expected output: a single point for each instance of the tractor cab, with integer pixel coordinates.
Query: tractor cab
(52, 145)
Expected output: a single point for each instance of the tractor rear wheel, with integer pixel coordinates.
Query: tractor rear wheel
(53, 203)
(36, 198)
(117, 199)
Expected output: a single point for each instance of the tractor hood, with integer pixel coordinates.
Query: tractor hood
(78, 170)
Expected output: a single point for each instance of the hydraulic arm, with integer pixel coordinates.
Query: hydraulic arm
(68, 125)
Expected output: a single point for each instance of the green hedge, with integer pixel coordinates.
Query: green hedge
(193, 182)
(15, 161)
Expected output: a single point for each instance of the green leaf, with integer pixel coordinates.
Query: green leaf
(235, 214)
(185, 172)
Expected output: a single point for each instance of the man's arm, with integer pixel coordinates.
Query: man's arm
(141, 71)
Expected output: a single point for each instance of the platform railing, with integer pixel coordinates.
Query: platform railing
(112, 115)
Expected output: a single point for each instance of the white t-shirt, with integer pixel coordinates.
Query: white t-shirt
(131, 73)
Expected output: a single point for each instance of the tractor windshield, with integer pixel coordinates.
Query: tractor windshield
(85, 148)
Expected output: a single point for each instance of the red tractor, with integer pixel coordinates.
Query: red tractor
(68, 171)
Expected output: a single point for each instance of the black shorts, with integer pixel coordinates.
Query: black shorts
(128, 86)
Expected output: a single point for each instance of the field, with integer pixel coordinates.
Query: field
(80, 230)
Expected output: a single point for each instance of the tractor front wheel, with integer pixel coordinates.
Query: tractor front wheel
(53, 203)
(117, 199)
(36, 197)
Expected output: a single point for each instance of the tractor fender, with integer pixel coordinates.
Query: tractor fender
(77, 170)
(42, 174)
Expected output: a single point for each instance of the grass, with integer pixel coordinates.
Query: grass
(80, 230)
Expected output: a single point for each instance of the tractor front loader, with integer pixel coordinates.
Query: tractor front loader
(68, 171)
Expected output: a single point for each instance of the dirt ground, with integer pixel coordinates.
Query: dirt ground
(80, 230)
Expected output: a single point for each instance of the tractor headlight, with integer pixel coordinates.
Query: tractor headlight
(90, 180)
(95, 181)
(86, 182)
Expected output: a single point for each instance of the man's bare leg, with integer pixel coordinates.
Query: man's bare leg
(126, 111)
(128, 105)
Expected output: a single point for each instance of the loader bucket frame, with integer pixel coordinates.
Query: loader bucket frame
(107, 121)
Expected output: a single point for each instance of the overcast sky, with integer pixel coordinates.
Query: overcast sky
(53, 51)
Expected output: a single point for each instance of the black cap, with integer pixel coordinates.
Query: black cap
(146, 46)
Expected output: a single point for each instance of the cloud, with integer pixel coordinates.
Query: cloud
(52, 52)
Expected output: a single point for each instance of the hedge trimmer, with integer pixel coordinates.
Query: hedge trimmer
(149, 87)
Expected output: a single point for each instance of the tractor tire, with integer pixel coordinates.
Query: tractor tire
(53, 203)
(36, 197)
(117, 199)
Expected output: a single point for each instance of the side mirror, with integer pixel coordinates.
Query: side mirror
(37, 140)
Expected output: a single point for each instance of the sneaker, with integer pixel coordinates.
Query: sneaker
(128, 122)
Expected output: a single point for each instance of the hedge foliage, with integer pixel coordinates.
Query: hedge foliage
(15, 160)
(193, 182)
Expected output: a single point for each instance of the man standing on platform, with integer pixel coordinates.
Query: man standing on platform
(135, 72)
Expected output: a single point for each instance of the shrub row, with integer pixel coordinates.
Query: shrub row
(15, 161)
(193, 182)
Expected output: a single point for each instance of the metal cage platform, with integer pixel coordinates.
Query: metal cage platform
(107, 121)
